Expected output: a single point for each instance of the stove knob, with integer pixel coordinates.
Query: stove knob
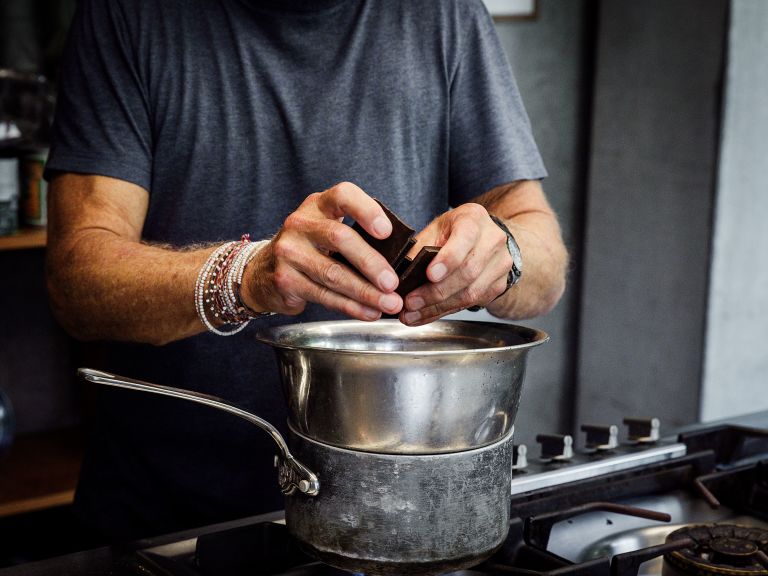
(643, 430)
(601, 437)
(519, 457)
(556, 447)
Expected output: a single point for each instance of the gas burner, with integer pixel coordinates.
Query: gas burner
(719, 549)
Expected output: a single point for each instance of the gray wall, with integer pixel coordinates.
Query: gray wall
(650, 198)
(547, 57)
(628, 337)
(736, 368)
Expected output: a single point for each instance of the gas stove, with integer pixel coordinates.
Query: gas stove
(622, 503)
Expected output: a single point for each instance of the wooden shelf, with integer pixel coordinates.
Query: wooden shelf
(40, 471)
(25, 238)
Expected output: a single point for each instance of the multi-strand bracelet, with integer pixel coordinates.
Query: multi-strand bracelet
(217, 290)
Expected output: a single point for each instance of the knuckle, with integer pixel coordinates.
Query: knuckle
(332, 274)
(338, 234)
(476, 210)
(470, 295)
(283, 281)
(294, 305)
(439, 292)
(344, 187)
(324, 296)
(349, 308)
(369, 260)
(335, 192)
(281, 248)
(365, 293)
(294, 221)
(471, 269)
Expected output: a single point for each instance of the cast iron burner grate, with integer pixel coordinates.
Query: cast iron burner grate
(720, 549)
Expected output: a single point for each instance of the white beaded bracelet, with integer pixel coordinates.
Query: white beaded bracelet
(218, 285)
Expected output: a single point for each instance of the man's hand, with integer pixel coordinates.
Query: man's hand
(296, 266)
(473, 263)
(470, 269)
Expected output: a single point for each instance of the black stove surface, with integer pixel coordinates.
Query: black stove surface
(267, 549)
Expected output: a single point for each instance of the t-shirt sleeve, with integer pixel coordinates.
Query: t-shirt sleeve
(102, 123)
(490, 135)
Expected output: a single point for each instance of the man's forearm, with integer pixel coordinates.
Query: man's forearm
(104, 283)
(103, 286)
(543, 280)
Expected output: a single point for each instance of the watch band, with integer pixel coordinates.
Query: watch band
(516, 271)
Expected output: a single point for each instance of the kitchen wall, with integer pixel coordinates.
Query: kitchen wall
(736, 368)
(625, 101)
(650, 197)
(549, 57)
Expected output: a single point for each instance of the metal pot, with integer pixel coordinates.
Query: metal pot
(403, 514)
(388, 388)
(457, 385)
(380, 513)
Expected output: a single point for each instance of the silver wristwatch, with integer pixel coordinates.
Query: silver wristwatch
(514, 250)
(517, 260)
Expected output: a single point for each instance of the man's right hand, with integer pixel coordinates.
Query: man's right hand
(296, 266)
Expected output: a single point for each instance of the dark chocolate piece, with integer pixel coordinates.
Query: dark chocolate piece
(402, 266)
(394, 247)
(416, 273)
(411, 272)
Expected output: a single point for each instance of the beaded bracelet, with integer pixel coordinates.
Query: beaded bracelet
(227, 284)
(217, 289)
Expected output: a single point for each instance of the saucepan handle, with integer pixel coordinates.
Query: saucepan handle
(293, 475)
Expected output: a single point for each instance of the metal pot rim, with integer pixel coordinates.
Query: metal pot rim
(417, 457)
(289, 336)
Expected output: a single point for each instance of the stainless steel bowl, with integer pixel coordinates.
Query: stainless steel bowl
(388, 388)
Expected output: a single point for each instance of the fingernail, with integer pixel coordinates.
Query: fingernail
(382, 226)
(390, 302)
(411, 317)
(371, 314)
(387, 280)
(415, 303)
(438, 272)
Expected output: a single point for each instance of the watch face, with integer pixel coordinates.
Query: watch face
(517, 259)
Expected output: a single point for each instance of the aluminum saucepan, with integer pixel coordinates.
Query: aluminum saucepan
(387, 388)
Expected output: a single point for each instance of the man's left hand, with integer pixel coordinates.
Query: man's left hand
(471, 268)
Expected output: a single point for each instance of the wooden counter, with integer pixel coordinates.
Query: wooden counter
(24, 238)
(40, 471)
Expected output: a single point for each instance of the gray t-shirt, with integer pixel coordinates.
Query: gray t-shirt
(230, 112)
